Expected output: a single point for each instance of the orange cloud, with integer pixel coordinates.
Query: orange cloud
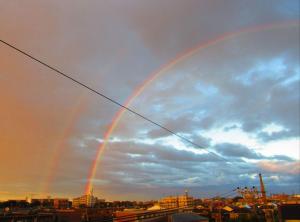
(280, 167)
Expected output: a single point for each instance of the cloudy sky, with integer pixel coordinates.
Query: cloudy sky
(237, 98)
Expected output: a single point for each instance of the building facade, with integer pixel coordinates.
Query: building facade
(176, 201)
(58, 203)
(61, 203)
(87, 200)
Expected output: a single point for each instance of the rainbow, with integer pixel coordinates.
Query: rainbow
(59, 146)
(52, 166)
(153, 76)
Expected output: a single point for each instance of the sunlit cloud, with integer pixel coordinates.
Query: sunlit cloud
(236, 98)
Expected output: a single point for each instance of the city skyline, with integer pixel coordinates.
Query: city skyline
(223, 75)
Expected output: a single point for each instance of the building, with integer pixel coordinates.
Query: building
(289, 212)
(13, 204)
(58, 203)
(61, 203)
(177, 201)
(43, 202)
(279, 197)
(187, 217)
(87, 200)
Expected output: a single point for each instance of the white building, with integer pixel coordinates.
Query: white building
(87, 200)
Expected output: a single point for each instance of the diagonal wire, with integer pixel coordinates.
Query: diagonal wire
(225, 194)
(62, 74)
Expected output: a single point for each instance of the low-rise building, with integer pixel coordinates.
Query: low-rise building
(58, 203)
(43, 202)
(61, 203)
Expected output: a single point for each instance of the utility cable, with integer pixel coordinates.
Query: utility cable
(62, 74)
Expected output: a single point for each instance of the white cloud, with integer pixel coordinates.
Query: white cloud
(289, 147)
(236, 135)
(272, 128)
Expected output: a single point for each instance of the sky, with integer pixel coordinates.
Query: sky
(236, 95)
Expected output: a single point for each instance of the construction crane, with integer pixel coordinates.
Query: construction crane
(262, 189)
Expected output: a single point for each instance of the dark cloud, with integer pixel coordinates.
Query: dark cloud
(276, 135)
(202, 141)
(228, 128)
(283, 158)
(267, 97)
(237, 150)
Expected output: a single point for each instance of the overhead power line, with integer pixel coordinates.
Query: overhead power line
(226, 194)
(62, 74)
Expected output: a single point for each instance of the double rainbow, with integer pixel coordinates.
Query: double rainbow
(153, 76)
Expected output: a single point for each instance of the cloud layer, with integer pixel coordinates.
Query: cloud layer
(238, 99)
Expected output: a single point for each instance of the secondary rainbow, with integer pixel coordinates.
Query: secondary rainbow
(154, 75)
(60, 145)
